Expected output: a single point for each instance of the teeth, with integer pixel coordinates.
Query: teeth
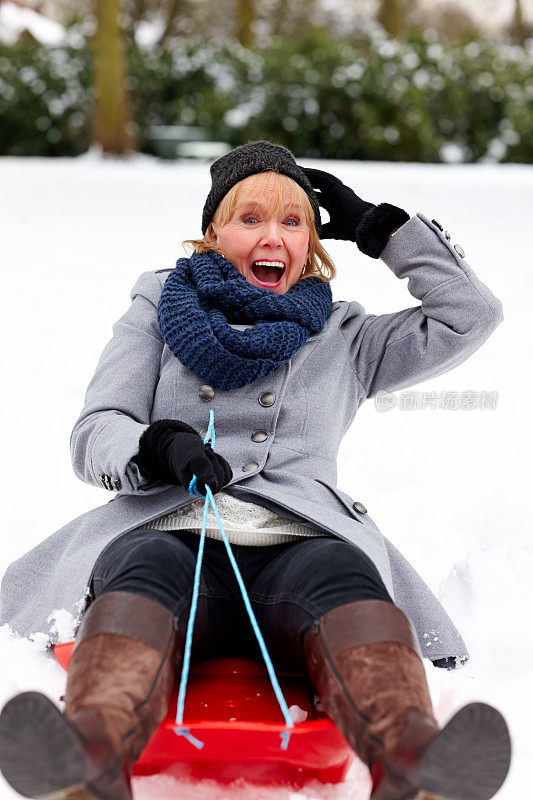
(277, 264)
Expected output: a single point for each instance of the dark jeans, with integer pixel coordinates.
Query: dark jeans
(289, 586)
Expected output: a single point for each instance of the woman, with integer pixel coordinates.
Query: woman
(247, 327)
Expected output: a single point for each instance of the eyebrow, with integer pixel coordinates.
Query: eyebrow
(258, 204)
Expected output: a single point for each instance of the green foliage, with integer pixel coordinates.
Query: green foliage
(397, 101)
(369, 97)
(192, 82)
(44, 100)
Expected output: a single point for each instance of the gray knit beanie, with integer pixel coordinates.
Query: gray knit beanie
(249, 159)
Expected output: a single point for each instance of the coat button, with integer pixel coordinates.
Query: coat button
(267, 399)
(359, 507)
(206, 392)
(110, 483)
(250, 466)
(447, 235)
(259, 436)
(459, 250)
(437, 223)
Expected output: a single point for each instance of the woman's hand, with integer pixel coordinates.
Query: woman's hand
(353, 219)
(344, 207)
(172, 451)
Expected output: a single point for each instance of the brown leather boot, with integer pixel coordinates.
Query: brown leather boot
(119, 681)
(364, 660)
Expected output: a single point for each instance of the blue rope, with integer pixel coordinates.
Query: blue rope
(274, 681)
(180, 729)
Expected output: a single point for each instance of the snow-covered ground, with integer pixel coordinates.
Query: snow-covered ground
(449, 488)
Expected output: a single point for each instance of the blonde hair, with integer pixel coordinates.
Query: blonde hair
(285, 190)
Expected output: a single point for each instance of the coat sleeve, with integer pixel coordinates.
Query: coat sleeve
(119, 398)
(457, 314)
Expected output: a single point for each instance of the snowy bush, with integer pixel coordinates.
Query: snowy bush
(44, 99)
(189, 82)
(366, 97)
(418, 100)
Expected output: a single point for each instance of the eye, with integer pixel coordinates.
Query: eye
(293, 221)
(249, 219)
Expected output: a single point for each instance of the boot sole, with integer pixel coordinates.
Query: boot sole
(470, 758)
(40, 755)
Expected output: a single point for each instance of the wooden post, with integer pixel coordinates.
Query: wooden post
(111, 121)
(518, 27)
(390, 15)
(245, 19)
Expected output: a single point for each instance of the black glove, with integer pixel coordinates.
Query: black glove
(351, 218)
(172, 451)
(345, 208)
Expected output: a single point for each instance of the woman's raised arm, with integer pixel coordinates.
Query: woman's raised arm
(119, 398)
(457, 313)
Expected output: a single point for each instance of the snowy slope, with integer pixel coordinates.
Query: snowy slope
(75, 235)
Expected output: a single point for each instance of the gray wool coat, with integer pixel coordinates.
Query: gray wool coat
(293, 472)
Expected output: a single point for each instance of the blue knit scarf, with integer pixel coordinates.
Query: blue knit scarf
(206, 292)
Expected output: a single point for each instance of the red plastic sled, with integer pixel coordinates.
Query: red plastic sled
(231, 707)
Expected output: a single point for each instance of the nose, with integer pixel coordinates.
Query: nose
(272, 233)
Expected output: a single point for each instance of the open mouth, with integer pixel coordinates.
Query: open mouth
(268, 273)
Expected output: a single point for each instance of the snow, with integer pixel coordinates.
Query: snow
(449, 487)
(14, 20)
(147, 34)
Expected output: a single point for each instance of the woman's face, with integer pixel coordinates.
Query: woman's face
(268, 247)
